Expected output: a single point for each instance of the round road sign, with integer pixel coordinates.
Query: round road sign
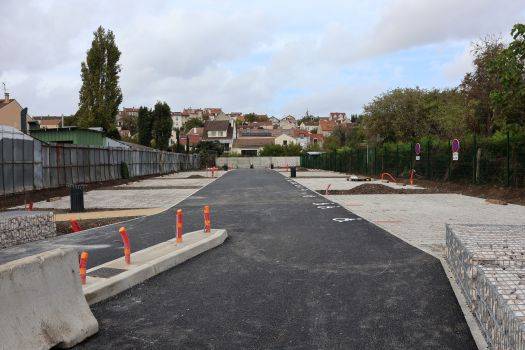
(455, 145)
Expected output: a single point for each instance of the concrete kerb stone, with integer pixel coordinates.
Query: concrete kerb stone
(42, 304)
(149, 262)
(473, 324)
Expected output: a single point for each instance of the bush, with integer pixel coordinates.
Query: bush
(124, 171)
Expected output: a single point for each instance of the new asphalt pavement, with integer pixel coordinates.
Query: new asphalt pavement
(298, 272)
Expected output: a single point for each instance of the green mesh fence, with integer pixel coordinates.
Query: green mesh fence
(499, 160)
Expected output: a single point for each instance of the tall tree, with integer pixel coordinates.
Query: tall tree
(192, 123)
(100, 94)
(509, 67)
(144, 126)
(479, 84)
(162, 125)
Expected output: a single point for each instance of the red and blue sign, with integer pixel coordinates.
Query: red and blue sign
(455, 145)
(417, 148)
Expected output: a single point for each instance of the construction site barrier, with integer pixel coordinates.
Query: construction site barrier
(42, 303)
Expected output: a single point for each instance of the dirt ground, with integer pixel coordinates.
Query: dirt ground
(368, 188)
(506, 194)
(64, 227)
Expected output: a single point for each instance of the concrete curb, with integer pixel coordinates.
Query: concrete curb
(149, 262)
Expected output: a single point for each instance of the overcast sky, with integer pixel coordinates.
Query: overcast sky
(277, 57)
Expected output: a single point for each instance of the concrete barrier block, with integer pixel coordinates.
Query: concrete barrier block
(42, 304)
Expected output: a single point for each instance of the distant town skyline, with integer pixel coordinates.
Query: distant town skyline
(265, 57)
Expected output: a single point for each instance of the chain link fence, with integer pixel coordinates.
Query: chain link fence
(495, 160)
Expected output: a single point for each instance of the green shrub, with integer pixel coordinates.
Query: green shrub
(124, 171)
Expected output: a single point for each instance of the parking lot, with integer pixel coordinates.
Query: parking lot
(298, 271)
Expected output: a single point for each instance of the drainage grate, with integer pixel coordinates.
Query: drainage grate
(105, 272)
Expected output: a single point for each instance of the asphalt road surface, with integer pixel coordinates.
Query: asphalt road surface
(298, 272)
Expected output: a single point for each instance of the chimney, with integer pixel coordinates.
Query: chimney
(6, 97)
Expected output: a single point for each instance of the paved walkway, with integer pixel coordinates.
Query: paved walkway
(297, 272)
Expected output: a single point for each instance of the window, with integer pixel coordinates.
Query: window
(315, 140)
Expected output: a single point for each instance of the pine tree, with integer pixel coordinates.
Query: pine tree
(144, 126)
(162, 125)
(100, 94)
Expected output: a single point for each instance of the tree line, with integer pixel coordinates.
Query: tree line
(489, 100)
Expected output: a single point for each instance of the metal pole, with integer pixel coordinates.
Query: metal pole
(508, 158)
(449, 160)
(474, 151)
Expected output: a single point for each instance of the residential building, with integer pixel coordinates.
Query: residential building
(242, 132)
(219, 130)
(234, 115)
(259, 125)
(194, 136)
(326, 127)
(338, 117)
(126, 112)
(193, 113)
(251, 146)
(179, 119)
(214, 114)
(316, 139)
(10, 111)
(309, 125)
(49, 122)
(285, 140)
(274, 121)
(302, 137)
(288, 122)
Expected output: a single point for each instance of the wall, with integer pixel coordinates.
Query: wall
(258, 162)
(10, 114)
(27, 164)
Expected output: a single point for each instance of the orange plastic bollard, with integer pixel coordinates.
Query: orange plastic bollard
(412, 171)
(127, 246)
(207, 220)
(179, 226)
(82, 266)
(75, 227)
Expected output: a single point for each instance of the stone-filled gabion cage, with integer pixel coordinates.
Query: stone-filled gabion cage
(17, 227)
(488, 262)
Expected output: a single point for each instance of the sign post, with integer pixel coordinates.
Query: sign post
(417, 149)
(455, 149)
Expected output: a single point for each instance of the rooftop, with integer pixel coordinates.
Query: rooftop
(245, 142)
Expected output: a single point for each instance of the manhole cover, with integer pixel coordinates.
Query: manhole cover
(105, 272)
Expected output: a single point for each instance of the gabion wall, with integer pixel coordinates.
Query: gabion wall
(17, 227)
(488, 262)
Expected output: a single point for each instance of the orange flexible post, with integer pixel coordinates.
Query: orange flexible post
(179, 226)
(390, 176)
(207, 220)
(75, 227)
(82, 266)
(127, 246)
